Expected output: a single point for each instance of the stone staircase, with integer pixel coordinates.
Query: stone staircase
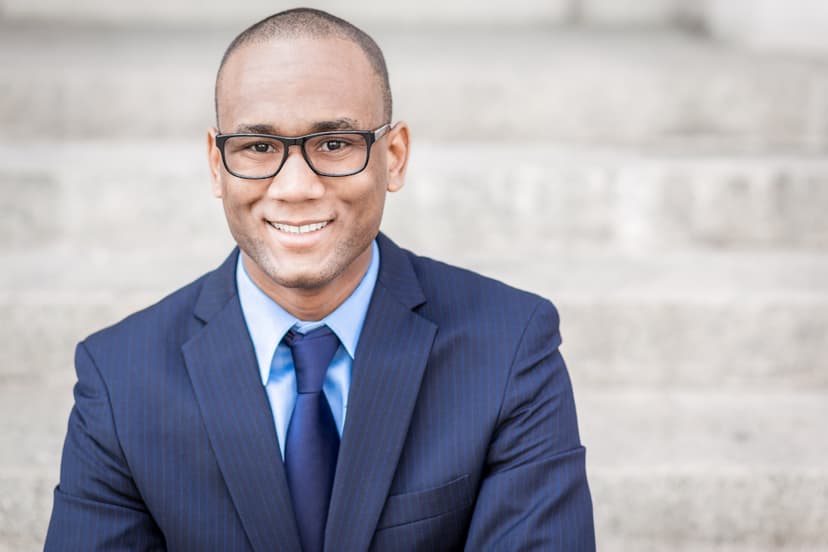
(666, 190)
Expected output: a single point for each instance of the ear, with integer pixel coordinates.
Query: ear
(214, 161)
(397, 155)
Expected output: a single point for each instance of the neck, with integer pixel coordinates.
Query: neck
(311, 304)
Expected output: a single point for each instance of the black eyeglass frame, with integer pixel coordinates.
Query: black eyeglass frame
(370, 136)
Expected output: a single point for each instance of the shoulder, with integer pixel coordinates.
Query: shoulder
(169, 321)
(455, 293)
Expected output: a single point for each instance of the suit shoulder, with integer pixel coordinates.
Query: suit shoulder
(455, 287)
(167, 317)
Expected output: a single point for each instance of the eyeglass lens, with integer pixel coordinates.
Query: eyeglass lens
(331, 154)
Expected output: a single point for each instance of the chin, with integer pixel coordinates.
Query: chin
(292, 273)
(299, 272)
(298, 281)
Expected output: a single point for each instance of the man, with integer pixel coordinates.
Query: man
(322, 388)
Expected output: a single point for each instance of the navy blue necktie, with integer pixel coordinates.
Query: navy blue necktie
(312, 442)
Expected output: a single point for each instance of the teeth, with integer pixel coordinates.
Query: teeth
(305, 228)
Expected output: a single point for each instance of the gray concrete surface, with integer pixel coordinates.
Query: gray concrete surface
(795, 26)
(665, 189)
(659, 89)
(540, 194)
(196, 13)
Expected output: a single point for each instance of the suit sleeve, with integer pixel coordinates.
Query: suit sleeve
(534, 494)
(96, 504)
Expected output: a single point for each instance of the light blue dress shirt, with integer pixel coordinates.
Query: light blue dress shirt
(267, 323)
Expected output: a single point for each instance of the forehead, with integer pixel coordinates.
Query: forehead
(291, 84)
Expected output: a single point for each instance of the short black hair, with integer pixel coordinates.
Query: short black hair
(309, 22)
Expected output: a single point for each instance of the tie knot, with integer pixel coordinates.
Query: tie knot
(312, 353)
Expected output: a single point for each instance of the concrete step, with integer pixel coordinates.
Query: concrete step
(741, 510)
(564, 198)
(32, 428)
(782, 25)
(25, 506)
(696, 321)
(190, 13)
(538, 198)
(638, 13)
(726, 430)
(715, 471)
(654, 89)
(679, 470)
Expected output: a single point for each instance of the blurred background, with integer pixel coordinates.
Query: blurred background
(658, 168)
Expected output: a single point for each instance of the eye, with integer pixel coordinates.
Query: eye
(261, 147)
(333, 145)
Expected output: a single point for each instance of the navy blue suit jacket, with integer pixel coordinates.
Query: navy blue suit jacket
(460, 433)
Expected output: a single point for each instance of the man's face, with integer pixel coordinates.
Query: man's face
(292, 87)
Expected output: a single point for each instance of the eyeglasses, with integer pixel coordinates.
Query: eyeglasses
(335, 153)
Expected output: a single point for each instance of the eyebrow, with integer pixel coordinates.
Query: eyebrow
(343, 123)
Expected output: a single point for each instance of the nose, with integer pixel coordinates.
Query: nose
(296, 181)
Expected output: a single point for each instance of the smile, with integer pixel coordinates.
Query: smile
(303, 229)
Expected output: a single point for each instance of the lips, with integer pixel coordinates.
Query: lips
(300, 228)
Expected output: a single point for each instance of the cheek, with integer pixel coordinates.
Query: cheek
(366, 202)
(239, 197)
(240, 208)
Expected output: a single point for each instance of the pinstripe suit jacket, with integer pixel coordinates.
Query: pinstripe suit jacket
(461, 428)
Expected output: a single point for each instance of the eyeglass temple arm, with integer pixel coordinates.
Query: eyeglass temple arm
(382, 131)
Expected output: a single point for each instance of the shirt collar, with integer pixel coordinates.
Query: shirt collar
(267, 322)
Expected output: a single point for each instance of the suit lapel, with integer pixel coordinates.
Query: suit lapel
(222, 366)
(390, 360)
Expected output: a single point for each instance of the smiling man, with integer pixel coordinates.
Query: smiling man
(323, 388)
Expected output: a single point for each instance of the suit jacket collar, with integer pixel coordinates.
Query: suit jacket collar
(385, 380)
(397, 274)
(386, 374)
(222, 367)
(219, 287)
